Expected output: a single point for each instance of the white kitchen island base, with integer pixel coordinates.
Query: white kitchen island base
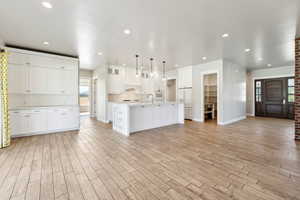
(129, 118)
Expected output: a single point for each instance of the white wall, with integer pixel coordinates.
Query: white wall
(231, 81)
(102, 98)
(198, 98)
(234, 92)
(277, 72)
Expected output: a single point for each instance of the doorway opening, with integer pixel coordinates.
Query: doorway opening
(210, 98)
(275, 97)
(171, 90)
(84, 96)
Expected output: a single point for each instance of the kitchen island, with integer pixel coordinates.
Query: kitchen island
(128, 118)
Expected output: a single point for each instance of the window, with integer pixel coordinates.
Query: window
(258, 91)
(291, 90)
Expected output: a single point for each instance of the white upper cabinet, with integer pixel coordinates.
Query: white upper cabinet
(18, 58)
(46, 79)
(70, 78)
(56, 81)
(38, 80)
(52, 62)
(185, 77)
(17, 79)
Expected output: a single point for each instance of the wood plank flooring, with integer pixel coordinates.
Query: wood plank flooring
(257, 159)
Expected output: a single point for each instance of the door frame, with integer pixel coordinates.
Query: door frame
(219, 110)
(263, 77)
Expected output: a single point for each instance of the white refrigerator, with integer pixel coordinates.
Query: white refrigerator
(185, 97)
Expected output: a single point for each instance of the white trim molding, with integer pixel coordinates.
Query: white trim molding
(232, 121)
(198, 120)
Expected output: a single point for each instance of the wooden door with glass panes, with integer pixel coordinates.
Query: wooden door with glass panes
(275, 97)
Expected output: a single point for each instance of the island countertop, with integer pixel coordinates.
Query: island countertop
(130, 117)
(132, 104)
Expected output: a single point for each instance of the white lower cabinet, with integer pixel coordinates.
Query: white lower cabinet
(46, 120)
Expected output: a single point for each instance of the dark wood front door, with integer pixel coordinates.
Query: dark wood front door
(275, 97)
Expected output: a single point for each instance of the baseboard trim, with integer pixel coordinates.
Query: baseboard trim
(46, 132)
(250, 114)
(104, 121)
(233, 120)
(197, 120)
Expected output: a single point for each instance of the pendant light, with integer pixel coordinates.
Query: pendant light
(137, 65)
(151, 67)
(164, 70)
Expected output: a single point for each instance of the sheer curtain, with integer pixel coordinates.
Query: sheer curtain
(4, 117)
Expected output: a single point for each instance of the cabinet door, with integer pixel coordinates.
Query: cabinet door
(54, 119)
(38, 81)
(17, 58)
(18, 123)
(56, 81)
(70, 80)
(188, 97)
(17, 78)
(71, 118)
(42, 61)
(37, 121)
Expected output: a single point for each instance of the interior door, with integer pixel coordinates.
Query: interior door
(275, 97)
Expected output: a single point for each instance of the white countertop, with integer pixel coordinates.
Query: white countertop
(41, 107)
(133, 104)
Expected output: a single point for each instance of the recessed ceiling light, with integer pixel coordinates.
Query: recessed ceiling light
(247, 50)
(124, 64)
(225, 35)
(46, 43)
(260, 59)
(176, 65)
(100, 53)
(204, 58)
(127, 31)
(269, 65)
(47, 4)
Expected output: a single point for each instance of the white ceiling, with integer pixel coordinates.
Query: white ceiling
(178, 31)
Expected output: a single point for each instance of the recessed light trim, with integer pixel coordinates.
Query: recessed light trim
(46, 43)
(47, 4)
(247, 50)
(127, 31)
(225, 35)
(269, 65)
(204, 58)
(100, 53)
(260, 59)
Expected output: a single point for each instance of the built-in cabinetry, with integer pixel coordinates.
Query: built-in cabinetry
(185, 77)
(184, 92)
(43, 92)
(121, 78)
(43, 120)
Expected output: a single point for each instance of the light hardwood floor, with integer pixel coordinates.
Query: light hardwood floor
(257, 158)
